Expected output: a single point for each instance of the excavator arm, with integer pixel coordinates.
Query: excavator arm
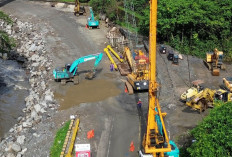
(74, 66)
(91, 13)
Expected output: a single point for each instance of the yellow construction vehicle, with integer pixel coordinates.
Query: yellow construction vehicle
(156, 141)
(138, 78)
(206, 97)
(78, 10)
(115, 54)
(228, 83)
(214, 62)
(195, 89)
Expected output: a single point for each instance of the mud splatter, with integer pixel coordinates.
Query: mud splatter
(86, 91)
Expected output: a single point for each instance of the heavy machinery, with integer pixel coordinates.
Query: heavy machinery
(227, 82)
(156, 141)
(163, 49)
(78, 10)
(91, 22)
(195, 89)
(206, 97)
(115, 54)
(69, 72)
(138, 78)
(214, 62)
(173, 57)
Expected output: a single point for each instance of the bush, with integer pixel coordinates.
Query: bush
(6, 42)
(5, 17)
(213, 135)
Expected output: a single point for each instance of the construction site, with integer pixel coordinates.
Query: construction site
(123, 94)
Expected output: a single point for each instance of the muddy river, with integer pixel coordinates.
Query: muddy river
(13, 90)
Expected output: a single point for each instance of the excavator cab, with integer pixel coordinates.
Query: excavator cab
(170, 55)
(67, 66)
(220, 57)
(175, 151)
(223, 96)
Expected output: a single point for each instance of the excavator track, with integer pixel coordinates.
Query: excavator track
(208, 65)
(129, 88)
(124, 69)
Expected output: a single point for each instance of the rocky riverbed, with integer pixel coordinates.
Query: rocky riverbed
(39, 104)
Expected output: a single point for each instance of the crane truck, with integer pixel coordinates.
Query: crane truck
(69, 72)
(156, 141)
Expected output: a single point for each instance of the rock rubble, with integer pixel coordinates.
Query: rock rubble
(31, 51)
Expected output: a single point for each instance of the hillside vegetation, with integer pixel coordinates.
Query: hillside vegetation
(192, 27)
(6, 42)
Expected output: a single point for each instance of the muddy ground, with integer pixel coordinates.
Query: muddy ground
(101, 104)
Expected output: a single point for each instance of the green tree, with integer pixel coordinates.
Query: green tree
(6, 42)
(213, 135)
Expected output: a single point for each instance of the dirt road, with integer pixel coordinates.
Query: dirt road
(113, 116)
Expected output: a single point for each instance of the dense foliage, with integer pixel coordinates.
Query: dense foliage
(213, 135)
(6, 42)
(192, 27)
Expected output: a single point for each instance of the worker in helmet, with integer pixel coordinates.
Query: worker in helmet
(139, 104)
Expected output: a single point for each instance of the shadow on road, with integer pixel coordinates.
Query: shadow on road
(142, 121)
(4, 2)
(190, 110)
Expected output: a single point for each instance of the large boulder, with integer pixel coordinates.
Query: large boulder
(15, 147)
(21, 139)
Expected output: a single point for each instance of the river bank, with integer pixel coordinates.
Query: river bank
(38, 103)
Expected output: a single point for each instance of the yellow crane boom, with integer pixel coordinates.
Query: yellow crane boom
(154, 143)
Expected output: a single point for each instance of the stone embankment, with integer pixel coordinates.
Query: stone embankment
(31, 50)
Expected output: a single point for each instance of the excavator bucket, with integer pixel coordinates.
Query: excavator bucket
(216, 72)
(90, 75)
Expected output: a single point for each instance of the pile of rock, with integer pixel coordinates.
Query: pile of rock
(31, 47)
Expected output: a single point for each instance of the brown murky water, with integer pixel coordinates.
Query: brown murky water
(86, 91)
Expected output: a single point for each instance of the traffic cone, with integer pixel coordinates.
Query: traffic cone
(86, 26)
(132, 147)
(90, 134)
(126, 91)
